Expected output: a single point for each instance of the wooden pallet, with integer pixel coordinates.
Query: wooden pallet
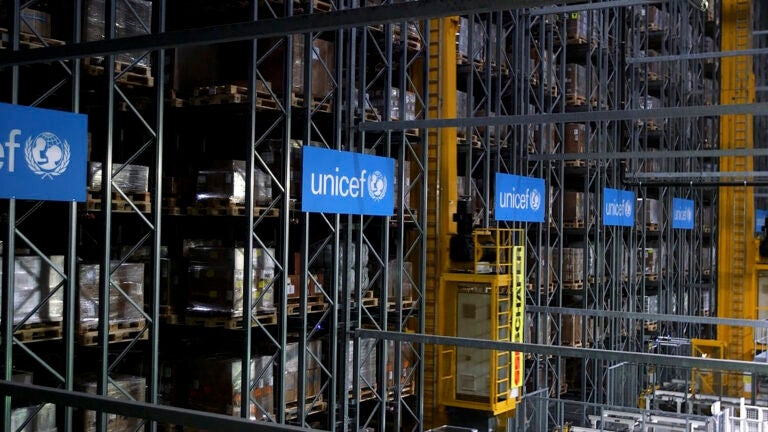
(33, 332)
(651, 125)
(292, 408)
(27, 40)
(231, 323)
(573, 344)
(369, 300)
(574, 224)
(232, 94)
(220, 208)
(118, 332)
(461, 139)
(295, 309)
(650, 76)
(575, 100)
(407, 304)
(573, 285)
(139, 199)
(648, 276)
(575, 40)
(366, 394)
(649, 227)
(171, 318)
(549, 288)
(463, 60)
(405, 391)
(316, 104)
(137, 75)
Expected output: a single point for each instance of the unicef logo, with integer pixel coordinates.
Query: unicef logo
(377, 185)
(46, 155)
(534, 198)
(688, 214)
(627, 208)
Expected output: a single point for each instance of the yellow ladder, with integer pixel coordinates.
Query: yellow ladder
(442, 191)
(737, 298)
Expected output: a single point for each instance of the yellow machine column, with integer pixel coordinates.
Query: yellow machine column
(736, 292)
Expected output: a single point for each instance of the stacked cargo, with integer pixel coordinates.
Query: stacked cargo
(575, 84)
(133, 18)
(392, 110)
(322, 69)
(44, 418)
(367, 371)
(570, 331)
(651, 306)
(34, 280)
(131, 180)
(126, 316)
(543, 277)
(216, 384)
(574, 207)
(216, 281)
(470, 42)
(402, 376)
(223, 187)
(572, 274)
(125, 387)
(576, 142)
(400, 278)
(312, 373)
(649, 103)
(648, 214)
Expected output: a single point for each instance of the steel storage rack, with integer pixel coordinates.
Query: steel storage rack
(331, 274)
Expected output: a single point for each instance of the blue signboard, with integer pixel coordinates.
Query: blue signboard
(682, 214)
(344, 182)
(618, 207)
(43, 154)
(760, 216)
(519, 199)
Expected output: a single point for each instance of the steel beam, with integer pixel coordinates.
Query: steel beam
(575, 352)
(757, 109)
(278, 27)
(698, 56)
(144, 410)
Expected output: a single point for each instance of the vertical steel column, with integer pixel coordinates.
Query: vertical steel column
(9, 241)
(158, 26)
(70, 288)
(105, 268)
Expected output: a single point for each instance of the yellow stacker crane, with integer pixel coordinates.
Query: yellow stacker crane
(737, 264)
(475, 276)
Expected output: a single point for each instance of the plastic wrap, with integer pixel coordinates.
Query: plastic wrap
(34, 280)
(545, 137)
(227, 180)
(647, 212)
(132, 385)
(651, 18)
(478, 40)
(648, 261)
(126, 24)
(323, 67)
(707, 259)
(543, 272)
(651, 70)
(577, 27)
(215, 385)
(575, 81)
(404, 371)
(573, 264)
(575, 138)
(378, 101)
(462, 104)
(570, 334)
(35, 21)
(312, 371)
(131, 179)
(216, 281)
(573, 206)
(129, 277)
(651, 304)
(395, 274)
(368, 362)
(407, 178)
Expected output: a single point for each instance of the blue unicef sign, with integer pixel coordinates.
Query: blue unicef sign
(43, 154)
(618, 207)
(343, 182)
(682, 214)
(519, 199)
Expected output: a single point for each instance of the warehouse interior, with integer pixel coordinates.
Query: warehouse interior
(635, 299)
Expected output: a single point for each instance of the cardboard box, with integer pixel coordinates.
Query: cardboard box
(570, 332)
(575, 138)
(323, 67)
(131, 179)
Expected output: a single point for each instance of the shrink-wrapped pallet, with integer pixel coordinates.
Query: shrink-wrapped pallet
(477, 49)
(393, 109)
(573, 264)
(322, 68)
(216, 281)
(575, 83)
(130, 179)
(648, 213)
(405, 369)
(128, 276)
(368, 364)
(570, 332)
(123, 387)
(216, 383)
(35, 280)
(312, 371)
(575, 138)
(133, 18)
